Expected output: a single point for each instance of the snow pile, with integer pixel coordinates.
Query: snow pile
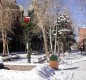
(47, 73)
(41, 72)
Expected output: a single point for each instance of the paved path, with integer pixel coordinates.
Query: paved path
(20, 67)
(76, 65)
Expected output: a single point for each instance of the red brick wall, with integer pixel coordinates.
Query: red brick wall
(82, 35)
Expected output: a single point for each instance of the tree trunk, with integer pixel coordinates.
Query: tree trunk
(63, 48)
(45, 41)
(5, 44)
(51, 47)
(55, 41)
(58, 48)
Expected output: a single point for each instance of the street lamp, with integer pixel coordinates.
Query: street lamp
(26, 19)
(27, 22)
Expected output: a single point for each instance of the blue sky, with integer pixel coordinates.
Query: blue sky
(73, 5)
(25, 3)
(76, 12)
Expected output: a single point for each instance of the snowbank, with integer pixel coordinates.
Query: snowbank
(41, 72)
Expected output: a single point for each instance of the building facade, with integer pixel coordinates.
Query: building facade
(82, 38)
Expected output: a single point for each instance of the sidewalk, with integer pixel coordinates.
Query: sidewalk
(75, 63)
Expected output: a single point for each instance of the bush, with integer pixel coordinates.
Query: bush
(53, 58)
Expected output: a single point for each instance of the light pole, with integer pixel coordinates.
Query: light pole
(27, 22)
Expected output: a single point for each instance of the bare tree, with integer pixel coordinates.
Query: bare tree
(40, 8)
(52, 15)
(47, 13)
(7, 18)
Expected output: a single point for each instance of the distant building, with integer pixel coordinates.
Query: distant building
(82, 37)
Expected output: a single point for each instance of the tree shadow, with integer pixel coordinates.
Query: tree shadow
(3, 67)
(72, 68)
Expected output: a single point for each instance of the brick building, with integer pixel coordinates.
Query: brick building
(82, 37)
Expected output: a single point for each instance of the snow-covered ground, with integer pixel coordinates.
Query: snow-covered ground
(72, 67)
(42, 72)
(23, 58)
